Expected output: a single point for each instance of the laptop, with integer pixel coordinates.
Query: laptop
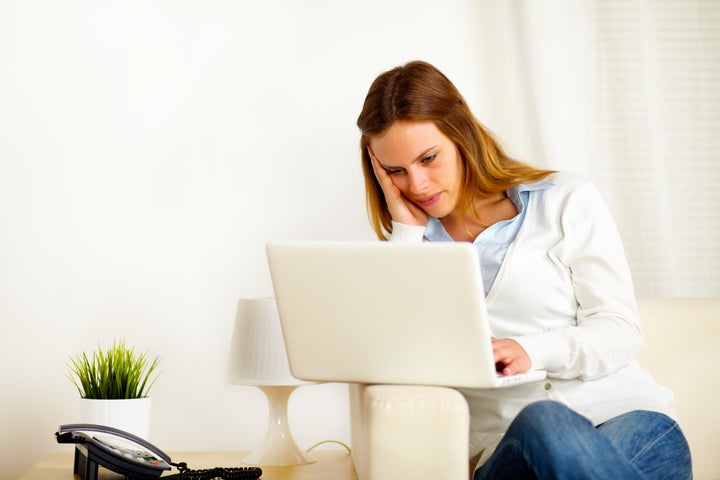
(383, 312)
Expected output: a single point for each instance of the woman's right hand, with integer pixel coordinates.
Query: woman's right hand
(510, 357)
(401, 209)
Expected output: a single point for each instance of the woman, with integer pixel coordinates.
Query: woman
(557, 284)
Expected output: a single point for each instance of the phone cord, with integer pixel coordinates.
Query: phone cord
(224, 473)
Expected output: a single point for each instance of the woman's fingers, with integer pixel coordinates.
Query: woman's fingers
(510, 358)
(401, 209)
(383, 178)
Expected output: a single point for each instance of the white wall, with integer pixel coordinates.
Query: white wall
(148, 150)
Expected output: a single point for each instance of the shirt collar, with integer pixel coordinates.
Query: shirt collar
(436, 232)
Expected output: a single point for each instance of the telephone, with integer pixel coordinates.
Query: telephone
(129, 455)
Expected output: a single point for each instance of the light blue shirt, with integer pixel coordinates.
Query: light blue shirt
(494, 241)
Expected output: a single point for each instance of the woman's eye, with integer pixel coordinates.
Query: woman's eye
(429, 158)
(394, 171)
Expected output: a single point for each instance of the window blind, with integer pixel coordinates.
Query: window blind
(656, 138)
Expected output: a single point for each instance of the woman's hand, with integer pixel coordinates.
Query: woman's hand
(401, 209)
(510, 357)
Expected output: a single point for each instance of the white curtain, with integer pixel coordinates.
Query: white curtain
(627, 93)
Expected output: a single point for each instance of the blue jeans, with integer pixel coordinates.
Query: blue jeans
(547, 440)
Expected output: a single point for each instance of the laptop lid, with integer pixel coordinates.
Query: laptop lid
(383, 312)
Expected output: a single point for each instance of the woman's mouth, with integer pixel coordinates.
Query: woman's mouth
(428, 202)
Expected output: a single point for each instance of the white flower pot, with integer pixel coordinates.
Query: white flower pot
(130, 415)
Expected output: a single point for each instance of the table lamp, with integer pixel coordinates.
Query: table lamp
(258, 358)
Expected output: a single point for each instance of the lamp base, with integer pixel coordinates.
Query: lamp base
(278, 448)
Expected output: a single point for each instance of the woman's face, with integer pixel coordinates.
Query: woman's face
(423, 163)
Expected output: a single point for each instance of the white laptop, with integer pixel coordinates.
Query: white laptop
(382, 312)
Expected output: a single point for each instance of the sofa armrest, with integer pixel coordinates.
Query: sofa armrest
(407, 431)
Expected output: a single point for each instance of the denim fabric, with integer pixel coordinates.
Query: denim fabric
(547, 440)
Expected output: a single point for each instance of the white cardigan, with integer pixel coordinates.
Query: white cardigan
(565, 293)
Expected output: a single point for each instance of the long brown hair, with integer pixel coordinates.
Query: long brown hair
(418, 91)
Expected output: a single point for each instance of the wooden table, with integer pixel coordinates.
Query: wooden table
(329, 465)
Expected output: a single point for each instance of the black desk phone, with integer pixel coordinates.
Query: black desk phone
(129, 455)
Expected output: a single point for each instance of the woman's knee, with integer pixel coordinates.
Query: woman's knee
(653, 442)
(548, 416)
(547, 411)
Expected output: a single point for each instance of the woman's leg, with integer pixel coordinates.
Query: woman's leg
(653, 443)
(547, 440)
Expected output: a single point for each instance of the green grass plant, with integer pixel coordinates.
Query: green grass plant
(117, 372)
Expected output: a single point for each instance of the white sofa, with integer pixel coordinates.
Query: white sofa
(421, 432)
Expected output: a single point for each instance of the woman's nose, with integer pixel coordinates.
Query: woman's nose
(417, 181)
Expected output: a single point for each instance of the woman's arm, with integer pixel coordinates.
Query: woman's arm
(607, 335)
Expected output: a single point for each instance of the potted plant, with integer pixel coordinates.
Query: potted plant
(114, 385)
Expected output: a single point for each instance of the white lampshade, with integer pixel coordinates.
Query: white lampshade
(257, 349)
(258, 357)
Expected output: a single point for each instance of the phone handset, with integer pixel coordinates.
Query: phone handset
(92, 451)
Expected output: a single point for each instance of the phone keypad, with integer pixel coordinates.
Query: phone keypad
(139, 456)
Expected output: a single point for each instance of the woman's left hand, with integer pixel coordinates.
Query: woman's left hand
(510, 357)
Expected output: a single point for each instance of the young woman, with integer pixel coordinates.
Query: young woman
(557, 285)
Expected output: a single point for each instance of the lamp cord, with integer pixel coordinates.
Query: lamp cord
(344, 445)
